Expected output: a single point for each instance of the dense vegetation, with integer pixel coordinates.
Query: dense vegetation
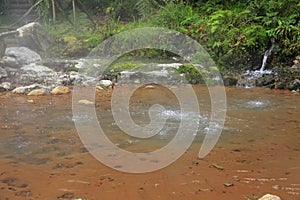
(235, 33)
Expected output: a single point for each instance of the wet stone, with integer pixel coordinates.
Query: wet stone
(9, 181)
(25, 193)
(53, 141)
(67, 195)
(14, 182)
(74, 164)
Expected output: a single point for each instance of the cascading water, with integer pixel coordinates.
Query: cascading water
(249, 77)
(267, 53)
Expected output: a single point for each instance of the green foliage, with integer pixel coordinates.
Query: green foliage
(235, 33)
(175, 14)
(191, 73)
(146, 8)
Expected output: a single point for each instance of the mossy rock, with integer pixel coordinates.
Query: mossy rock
(230, 80)
(198, 75)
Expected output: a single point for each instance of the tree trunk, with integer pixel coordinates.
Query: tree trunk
(53, 12)
(74, 13)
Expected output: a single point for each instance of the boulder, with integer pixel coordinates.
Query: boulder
(34, 37)
(3, 35)
(35, 74)
(60, 90)
(269, 197)
(294, 85)
(17, 57)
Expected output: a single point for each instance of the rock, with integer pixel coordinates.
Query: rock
(265, 80)
(3, 35)
(5, 86)
(60, 90)
(24, 89)
(3, 73)
(86, 102)
(34, 37)
(105, 83)
(269, 197)
(294, 85)
(35, 74)
(228, 184)
(149, 87)
(17, 57)
(230, 80)
(37, 92)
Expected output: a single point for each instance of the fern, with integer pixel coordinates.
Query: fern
(145, 7)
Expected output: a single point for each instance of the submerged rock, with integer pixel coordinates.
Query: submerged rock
(60, 90)
(270, 197)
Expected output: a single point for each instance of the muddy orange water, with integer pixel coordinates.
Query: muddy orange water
(42, 157)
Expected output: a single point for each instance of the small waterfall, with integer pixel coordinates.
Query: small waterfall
(267, 53)
(249, 78)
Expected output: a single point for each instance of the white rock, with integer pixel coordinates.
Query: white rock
(269, 197)
(105, 83)
(6, 86)
(23, 89)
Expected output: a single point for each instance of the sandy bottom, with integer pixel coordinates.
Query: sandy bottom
(42, 157)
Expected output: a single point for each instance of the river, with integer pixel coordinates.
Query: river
(42, 157)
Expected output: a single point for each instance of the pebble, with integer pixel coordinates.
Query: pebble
(36, 92)
(60, 90)
(270, 197)
(228, 184)
(150, 87)
(86, 102)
